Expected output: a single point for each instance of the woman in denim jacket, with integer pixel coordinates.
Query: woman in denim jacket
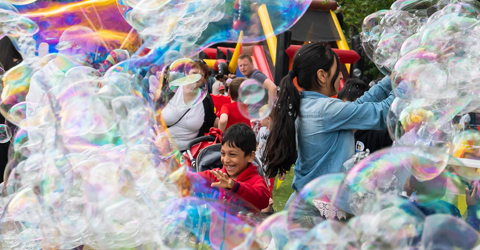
(322, 127)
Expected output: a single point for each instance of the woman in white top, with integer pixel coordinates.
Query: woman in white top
(184, 120)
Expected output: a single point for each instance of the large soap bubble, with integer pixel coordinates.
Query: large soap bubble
(185, 82)
(85, 168)
(254, 102)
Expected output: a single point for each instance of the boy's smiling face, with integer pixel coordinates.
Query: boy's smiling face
(234, 159)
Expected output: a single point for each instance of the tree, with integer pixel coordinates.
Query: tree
(354, 11)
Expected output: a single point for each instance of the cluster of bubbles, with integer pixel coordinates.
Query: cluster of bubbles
(82, 169)
(429, 49)
(383, 218)
(86, 169)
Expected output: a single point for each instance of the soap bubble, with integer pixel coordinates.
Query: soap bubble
(458, 234)
(327, 234)
(5, 133)
(186, 85)
(384, 173)
(371, 31)
(13, 24)
(84, 172)
(410, 44)
(254, 102)
(273, 229)
(418, 74)
(394, 224)
(413, 4)
(312, 204)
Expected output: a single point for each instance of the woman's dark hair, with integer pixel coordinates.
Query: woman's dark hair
(240, 135)
(281, 150)
(8, 53)
(353, 89)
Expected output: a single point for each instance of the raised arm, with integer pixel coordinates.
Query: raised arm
(339, 115)
(378, 92)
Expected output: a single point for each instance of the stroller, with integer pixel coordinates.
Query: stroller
(209, 157)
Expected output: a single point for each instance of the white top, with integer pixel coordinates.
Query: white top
(43, 80)
(215, 86)
(187, 128)
(262, 137)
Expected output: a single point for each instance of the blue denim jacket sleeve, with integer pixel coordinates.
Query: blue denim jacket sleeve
(341, 115)
(378, 92)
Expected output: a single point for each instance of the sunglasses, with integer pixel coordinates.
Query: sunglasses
(199, 61)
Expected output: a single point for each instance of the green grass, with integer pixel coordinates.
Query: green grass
(281, 195)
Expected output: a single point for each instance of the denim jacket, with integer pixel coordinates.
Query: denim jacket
(324, 129)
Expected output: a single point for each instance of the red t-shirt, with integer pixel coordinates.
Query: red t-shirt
(234, 115)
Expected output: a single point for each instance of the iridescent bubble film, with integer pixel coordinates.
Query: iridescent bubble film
(254, 102)
(93, 164)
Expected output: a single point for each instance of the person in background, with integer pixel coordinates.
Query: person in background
(262, 137)
(372, 140)
(9, 58)
(9, 55)
(221, 90)
(227, 84)
(230, 113)
(184, 119)
(211, 80)
(245, 64)
(220, 81)
(77, 47)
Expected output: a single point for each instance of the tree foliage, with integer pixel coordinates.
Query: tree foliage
(354, 11)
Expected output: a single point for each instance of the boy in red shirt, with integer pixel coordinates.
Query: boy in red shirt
(237, 184)
(238, 175)
(230, 114)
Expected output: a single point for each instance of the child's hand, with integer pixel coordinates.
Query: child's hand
(270, 206)
(224, 181)
(472, 199)
(162, 141)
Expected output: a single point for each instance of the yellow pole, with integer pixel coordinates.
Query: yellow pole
(210, 62)
(268, 30)
(232, 67)
(342, 44)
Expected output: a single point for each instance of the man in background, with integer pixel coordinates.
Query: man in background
(77, 47)
(245, 64)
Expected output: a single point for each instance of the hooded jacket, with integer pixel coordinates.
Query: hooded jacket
(249, 186)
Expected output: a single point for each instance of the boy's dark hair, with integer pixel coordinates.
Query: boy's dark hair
(353, 89)
(240, 135)
(234, 86)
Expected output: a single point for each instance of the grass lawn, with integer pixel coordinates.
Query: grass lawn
(281, 195)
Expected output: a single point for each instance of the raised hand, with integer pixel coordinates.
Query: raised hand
(224, 181)
(162, 140)
(472, 195)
